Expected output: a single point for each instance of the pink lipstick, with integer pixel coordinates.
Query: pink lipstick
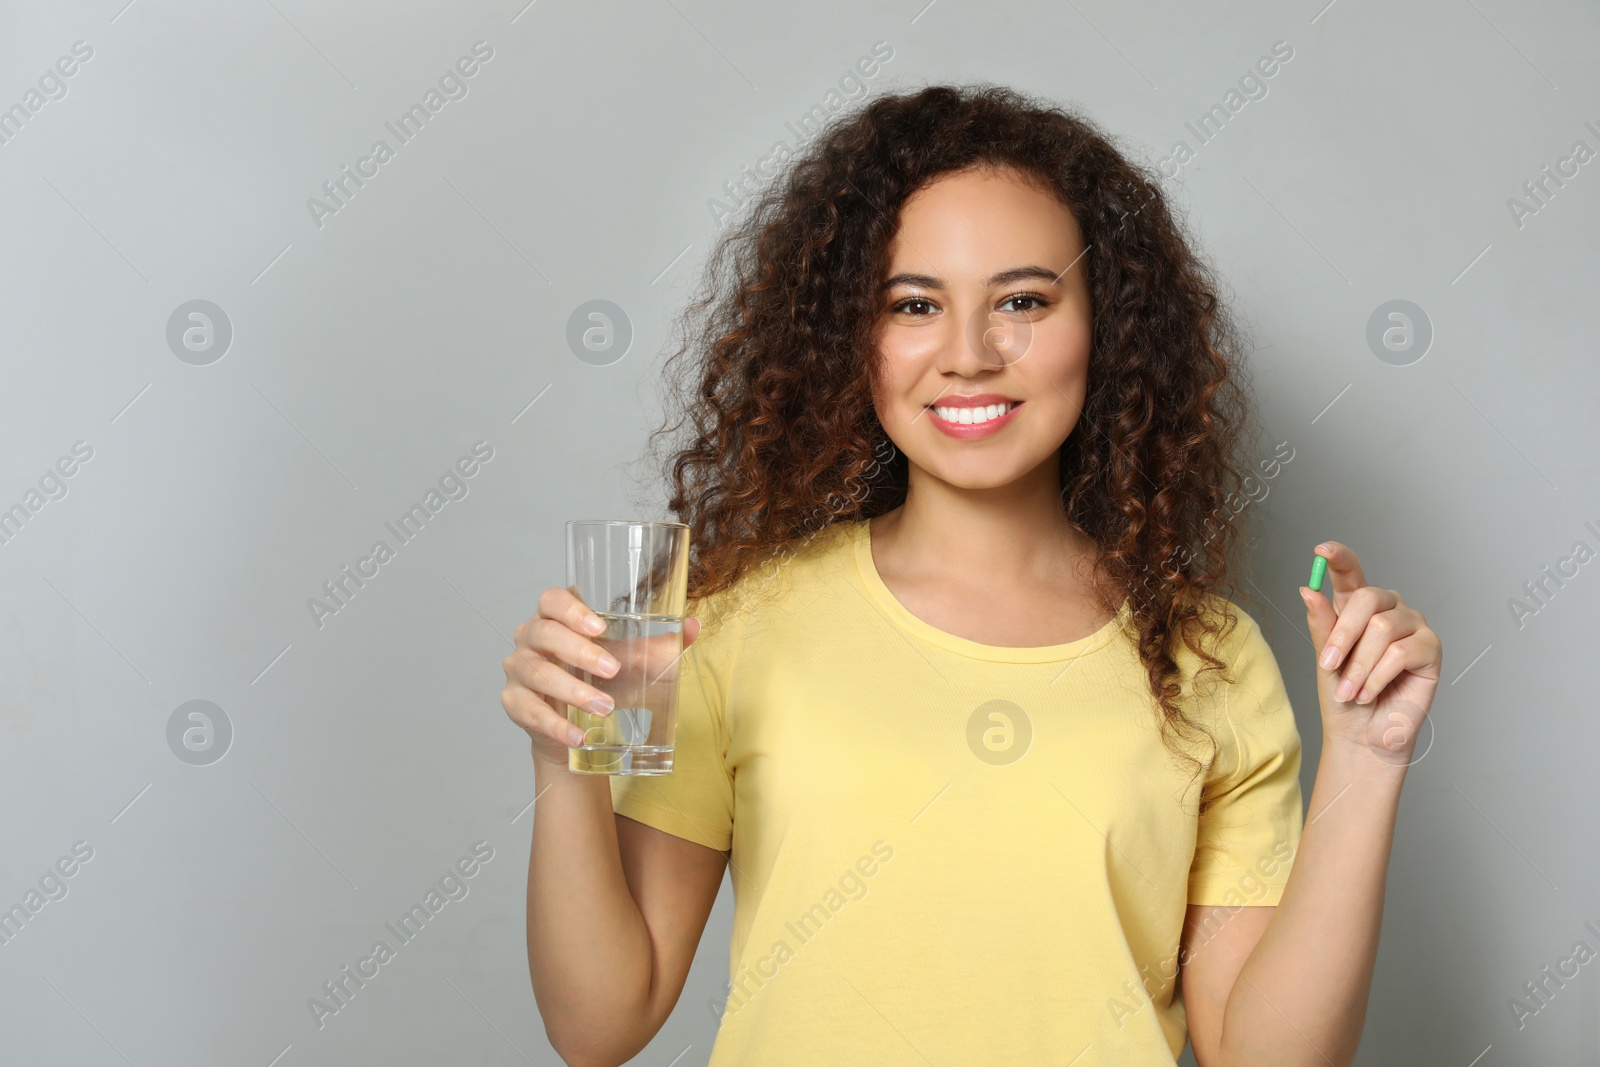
(989, 414)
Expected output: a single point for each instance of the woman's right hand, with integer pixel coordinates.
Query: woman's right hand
(539, 679)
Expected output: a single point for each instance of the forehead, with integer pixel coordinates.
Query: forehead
(973, 219)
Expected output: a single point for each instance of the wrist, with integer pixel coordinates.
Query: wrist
(1361, 759)
(547, 762)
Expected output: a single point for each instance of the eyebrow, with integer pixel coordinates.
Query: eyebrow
(1004, 277)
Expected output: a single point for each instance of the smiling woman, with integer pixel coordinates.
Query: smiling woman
(961, 404)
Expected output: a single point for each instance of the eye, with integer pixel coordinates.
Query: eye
(904, 306)
(1037, 301)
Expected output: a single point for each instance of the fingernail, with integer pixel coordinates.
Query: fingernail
(574, 736)
(1363, 696)
(1330, 658)
(1346, 687)
(608, 663)
(601, 704)
(593, 624)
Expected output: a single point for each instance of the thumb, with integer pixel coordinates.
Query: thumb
(691, 630)
(1321, 617)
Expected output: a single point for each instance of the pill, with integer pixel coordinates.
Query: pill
(1319, 567)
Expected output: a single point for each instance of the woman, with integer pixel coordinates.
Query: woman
(1002, 772)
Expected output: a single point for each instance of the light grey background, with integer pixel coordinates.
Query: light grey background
(431, 312)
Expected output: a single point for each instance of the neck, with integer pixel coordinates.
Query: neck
(1010, 534)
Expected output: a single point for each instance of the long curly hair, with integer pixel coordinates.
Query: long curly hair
(775, 372)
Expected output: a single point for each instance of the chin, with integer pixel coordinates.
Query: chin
(988, 477)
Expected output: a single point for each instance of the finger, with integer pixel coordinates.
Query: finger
(1406, 654)
(565, 606)
(1344, 571)
(1319, 615)
(1382, 630)
(537, 717)
(1359, 608)
(555, 640)
(531, 671)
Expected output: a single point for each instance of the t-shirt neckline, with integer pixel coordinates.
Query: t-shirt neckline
(880, 594)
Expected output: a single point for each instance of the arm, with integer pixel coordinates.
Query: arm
(1289, 985)
(615, 910)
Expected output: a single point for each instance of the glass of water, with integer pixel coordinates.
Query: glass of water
(635, 576)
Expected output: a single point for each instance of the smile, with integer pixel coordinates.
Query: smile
(968, 423)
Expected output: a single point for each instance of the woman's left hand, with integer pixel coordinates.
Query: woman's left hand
(1378, 660)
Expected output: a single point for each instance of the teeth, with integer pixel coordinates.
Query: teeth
(968, 416)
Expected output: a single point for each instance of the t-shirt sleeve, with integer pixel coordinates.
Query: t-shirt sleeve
(695, 801)
(1249, 830)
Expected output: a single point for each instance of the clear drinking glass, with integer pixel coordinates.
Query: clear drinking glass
(635, 576)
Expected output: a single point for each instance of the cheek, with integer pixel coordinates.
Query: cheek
(1060, 357)
(903, 369)
(905, 349)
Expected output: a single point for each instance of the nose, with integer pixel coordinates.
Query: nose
(987, 340)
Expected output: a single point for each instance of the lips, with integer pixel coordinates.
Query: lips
(972, 430)
(955, 408)
(977, 400)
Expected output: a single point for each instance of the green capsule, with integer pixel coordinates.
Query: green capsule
(1319, 567)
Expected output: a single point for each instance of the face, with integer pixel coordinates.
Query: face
(987, 303)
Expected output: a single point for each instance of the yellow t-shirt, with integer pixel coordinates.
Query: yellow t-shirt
(951, 852)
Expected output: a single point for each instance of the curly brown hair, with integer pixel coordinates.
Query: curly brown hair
(785, 441)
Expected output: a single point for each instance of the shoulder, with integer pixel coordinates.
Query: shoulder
(1253, 697)
(1236, 651)
(1244, 701)
(1219, 626)
(785, 568)
(774, 576)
